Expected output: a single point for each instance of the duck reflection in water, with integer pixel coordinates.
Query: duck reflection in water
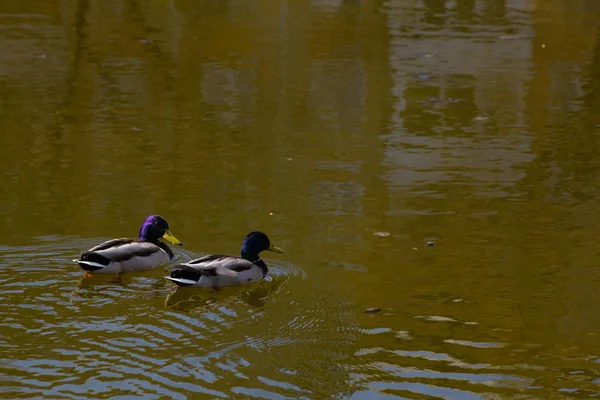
(256, 296)
(89, 285)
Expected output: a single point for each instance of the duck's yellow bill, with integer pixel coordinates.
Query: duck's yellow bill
(169, 236)
(275, 249)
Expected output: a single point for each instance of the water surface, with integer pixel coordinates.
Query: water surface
(353, 133)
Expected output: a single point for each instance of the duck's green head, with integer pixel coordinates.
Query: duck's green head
(256, 242)
(156, 227)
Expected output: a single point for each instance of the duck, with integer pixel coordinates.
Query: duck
(129, 255)
(218, 270)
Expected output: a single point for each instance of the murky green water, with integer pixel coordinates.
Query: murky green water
(352, 133)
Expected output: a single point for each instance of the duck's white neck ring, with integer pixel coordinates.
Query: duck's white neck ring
(257, 260)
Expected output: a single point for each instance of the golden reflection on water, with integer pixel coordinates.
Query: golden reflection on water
(324, 124)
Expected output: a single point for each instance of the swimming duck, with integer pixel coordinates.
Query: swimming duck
(217, 270)
(126, 255)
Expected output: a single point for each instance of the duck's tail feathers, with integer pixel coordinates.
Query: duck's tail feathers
(181, 281)
(92, 262)
(185, 277)
(90, 266)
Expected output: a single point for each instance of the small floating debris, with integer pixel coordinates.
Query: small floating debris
(372, 310)
(270, 213)
(289, 158)
(423, 76)
(443, 100)
(543, 46)
(382, 234)
(430, 244)
(481, 118)
(436, 318)
(453, 300)
(404, 335)
(375, 331)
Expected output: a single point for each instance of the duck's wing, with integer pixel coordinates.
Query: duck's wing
(217, 264)
(207, 259)
(112, 243)
(118, 250)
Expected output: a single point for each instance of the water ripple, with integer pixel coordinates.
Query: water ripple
(108, 336)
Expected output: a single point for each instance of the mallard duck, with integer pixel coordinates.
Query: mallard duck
(217, 270)
(126, 255)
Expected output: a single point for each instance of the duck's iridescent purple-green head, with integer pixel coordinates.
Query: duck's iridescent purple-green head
(256, 242)
(156, 227)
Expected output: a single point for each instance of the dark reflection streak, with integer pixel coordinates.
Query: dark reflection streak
(160, 69)
(80, 28)
(464, 92)
(190, 105)
(136, 14)
(538, 170)
(378, 110)
(208, 9)
(466, 10)
(591, 97)
(295, 69)
(433, 11)
(578, 184)
(550, 179)
(55, 135)
(553, 179)
(495, 10)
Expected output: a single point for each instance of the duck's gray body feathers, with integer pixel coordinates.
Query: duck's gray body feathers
(124, 255)
(218, 270)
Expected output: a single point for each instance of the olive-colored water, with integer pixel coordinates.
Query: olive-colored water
(352, 132)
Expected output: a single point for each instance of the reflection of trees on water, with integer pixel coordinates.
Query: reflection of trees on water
(592, 86)
(386, 111)
(439, 12)
(560, 184)
(316, 87)
(457, 109)
(343, 84)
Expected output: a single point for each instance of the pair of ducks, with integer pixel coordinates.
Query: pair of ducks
(214, 271)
